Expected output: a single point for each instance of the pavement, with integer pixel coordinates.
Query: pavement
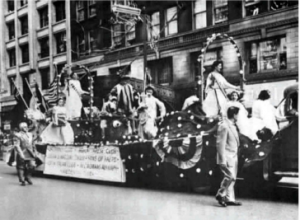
(72, 199)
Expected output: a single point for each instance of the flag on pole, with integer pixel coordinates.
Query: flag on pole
(50, 95)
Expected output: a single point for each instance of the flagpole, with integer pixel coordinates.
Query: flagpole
(37, 87)
(20, 94)
(29, 87)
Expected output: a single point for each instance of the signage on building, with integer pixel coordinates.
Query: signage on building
(87, 163)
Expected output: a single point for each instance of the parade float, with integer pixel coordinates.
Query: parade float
(181, 155)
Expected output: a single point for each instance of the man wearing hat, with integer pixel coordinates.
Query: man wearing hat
(124, 92)
(148, 110)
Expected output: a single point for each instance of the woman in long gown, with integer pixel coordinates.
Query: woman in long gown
(263, 115)
(59, 131)
(242, 117)
(73, 94)
(215, 90)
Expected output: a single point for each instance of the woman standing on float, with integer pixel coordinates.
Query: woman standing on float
(73, 93)
(216, 84)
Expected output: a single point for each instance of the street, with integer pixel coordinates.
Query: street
(71, 199)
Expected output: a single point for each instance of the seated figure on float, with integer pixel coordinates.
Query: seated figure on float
(108, 110)
(59, 131)
(242, 116)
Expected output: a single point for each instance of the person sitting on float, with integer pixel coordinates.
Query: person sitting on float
(59, 131)
(242, 117)
(216, 85)
(74, 92)
(108, 110)
(263, 115)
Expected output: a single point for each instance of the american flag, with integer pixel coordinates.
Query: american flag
(50, 94)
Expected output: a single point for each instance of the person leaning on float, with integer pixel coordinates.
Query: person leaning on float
(263, 115)
(215, 90)
(59, 131)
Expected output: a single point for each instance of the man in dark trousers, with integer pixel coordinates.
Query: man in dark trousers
(25, 154)
(227, 157)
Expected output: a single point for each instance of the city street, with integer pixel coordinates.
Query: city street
(61, 198)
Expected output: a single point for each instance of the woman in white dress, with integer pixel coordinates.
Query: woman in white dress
(242, 117)
(216, 85)
(59, 131)
(263, 115)
(73, 94)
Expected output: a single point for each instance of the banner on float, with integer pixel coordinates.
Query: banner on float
(102, 163)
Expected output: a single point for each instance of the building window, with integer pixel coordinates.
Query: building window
(45, 76)
(267, 55)
(92, 40)
(11, 30)
(200, 14)
(10, 5)
(161, 71)
(12, 57)
(12, 81)
(92, 8)
(44, 17)
(129, 34)
(23, 2)
(80, 10)
(255, 7)
(221, 10)
(171, 21)
(60, 10)
(80, 44)
(25, 53)
(117, 34)
(44, 47)
(155, 26)
(60, 42)
(24, 25)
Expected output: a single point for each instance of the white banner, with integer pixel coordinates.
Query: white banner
(103, 163)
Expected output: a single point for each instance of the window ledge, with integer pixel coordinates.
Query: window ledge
(22, 7)
(24, 35)
(10, 40)
(43, 58)
(264, 14)
(60, 21)
(8, 13)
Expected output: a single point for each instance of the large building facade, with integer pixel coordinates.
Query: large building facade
(265, 31)
(35, 36)
(38, 34)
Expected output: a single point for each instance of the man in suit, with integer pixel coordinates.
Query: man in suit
(25, 154)
(227, 157)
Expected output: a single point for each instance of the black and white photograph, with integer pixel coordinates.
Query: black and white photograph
(149, 110)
